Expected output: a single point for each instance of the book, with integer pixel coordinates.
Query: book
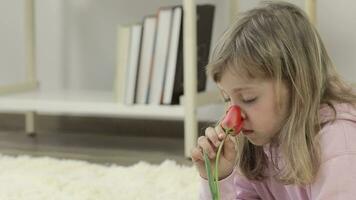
(132, 65)
(146, 59)
(205, 17)
(160, 55)
(123, 45)
(175, 44)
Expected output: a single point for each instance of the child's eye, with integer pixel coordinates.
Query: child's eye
(251, 100)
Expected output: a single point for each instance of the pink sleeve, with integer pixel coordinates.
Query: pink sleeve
(336, 178)
(234, 187)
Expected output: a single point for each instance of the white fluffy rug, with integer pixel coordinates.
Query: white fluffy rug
(27, 178)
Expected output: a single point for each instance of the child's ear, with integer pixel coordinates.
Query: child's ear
(282, 92)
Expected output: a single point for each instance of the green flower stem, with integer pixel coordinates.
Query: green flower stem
(212, 184)
(217, 166)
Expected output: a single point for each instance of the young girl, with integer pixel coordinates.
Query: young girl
(299, 135)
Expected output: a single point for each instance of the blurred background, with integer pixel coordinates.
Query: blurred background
(76, 50)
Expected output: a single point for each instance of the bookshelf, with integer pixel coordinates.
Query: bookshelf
(84, 103)
(26, 98)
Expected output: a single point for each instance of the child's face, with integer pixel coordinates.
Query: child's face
(257, 98)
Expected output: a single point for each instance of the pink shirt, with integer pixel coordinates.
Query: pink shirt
(336, 178)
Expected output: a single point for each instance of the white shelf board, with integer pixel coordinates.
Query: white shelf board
(84, 103)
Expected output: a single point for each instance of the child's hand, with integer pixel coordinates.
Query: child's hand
(210, 143)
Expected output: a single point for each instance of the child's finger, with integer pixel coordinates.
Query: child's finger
(196, 154)
(212, 136)
(220, 132)
(229, 151)
(198, 160)
(229, 148)
(206, 146)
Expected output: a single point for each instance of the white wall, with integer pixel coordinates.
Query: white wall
(76, 40)
(12, 38)
(337, 26)
(49, 44)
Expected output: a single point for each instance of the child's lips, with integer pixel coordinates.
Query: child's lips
(247, 131)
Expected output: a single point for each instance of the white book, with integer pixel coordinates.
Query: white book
(160, 55)
(146, 57)
(173, 54)
(132, 65)
(123, 45)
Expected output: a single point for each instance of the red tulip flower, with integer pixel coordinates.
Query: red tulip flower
(232, 123)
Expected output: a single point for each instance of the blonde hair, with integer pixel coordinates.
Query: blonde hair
(276, 41)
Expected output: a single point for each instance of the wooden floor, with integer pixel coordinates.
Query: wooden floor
(105, 149)
(93, 146)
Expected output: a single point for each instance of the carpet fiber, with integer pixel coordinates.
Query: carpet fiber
(28, 178)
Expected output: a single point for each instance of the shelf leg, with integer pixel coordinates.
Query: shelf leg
(30, 41)
(190, 76)
(234, 9)
(310, 7)
(30, 123)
